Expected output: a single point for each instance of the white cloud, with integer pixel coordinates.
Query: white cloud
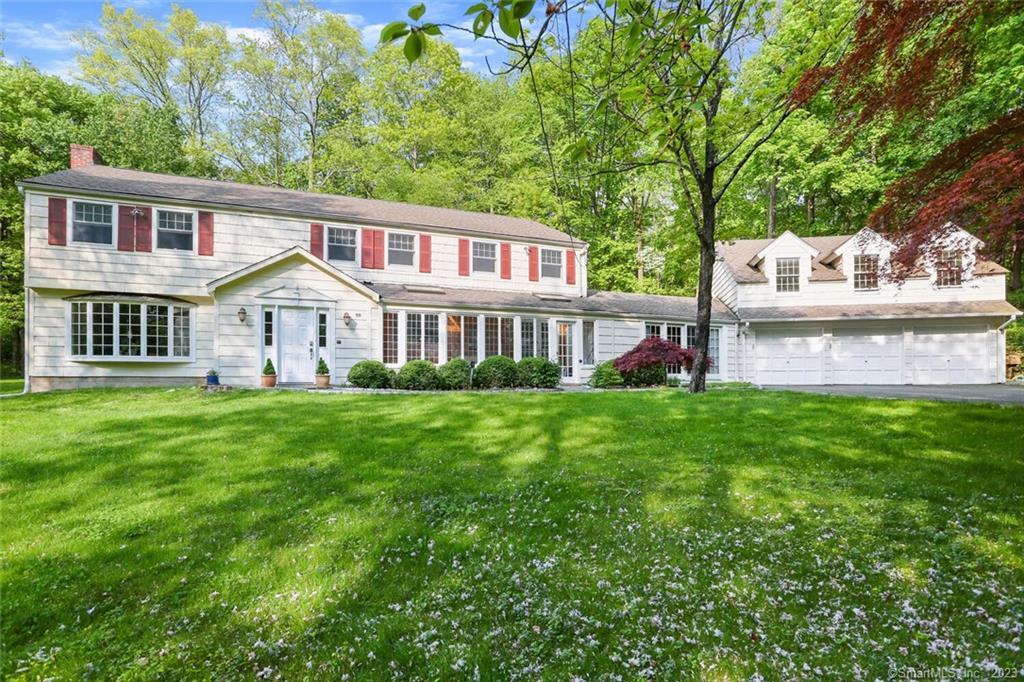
(45, 36)
(236, 33)
(355, 20)
(371, 35)
(65, 69)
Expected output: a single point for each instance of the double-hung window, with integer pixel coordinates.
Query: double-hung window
(713, 345)
(950, 270)
(652, 329)
(174, 230)
(787, 274)
(127, 330)
(421, 336)
(865, 272)
(401, 248)
(462, 343)
(674, 333)
(551, 263)
(92, 223)
(485, 257)
(341, 243)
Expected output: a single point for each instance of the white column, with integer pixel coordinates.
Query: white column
(517, 338)
(442, 338)
(553, 340)
(480, 352)
(401, 338)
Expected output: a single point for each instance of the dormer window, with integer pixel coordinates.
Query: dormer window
(950, 269)
(865, 272)
(787, 274)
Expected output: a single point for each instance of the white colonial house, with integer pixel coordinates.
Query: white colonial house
(136, 278)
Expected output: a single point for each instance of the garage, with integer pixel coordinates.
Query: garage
(867, 356)
(789, 357)
(951, 355)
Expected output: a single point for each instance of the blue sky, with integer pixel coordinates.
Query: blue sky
(43, 32)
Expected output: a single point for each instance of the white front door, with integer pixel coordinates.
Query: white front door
(565, 351)
(862, 356)
(788, 357)
(951, 355)
(298, 338)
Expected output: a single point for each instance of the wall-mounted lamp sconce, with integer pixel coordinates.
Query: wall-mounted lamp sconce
(347, 319)
(242, 314)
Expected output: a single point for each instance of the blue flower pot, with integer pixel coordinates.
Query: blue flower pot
(212, 380)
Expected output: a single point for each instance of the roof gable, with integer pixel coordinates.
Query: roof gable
(295, 253)
(783, 239)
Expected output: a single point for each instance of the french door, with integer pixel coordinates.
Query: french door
(565, 351)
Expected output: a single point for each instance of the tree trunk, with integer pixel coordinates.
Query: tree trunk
(638, 227)
(810, 209)
(706, 236)
(773, 187)
(1015, 266)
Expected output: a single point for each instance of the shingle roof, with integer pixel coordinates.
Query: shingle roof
(738, 254)
(598, 302)
(879, 311)
(133, 183)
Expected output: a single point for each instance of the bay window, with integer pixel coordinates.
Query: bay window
(130, 330)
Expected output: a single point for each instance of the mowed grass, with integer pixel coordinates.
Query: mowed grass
(171, 534)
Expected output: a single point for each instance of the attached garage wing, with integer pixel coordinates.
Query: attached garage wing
(789, 357)
(951, 355)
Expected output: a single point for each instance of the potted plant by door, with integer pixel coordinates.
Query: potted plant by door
(212, 378)
(323, 374)
(269, 378)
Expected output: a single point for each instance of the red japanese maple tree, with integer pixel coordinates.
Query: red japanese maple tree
(908, 58)
(656, 351)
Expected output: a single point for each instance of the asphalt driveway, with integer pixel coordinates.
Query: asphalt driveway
(1004, 394)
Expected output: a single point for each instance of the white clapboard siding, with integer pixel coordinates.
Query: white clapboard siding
(241, 239)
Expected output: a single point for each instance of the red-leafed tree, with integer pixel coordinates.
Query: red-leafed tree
(945, 72)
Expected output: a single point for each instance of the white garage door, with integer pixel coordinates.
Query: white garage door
(866, 356)
(790, 357)
(951, 355)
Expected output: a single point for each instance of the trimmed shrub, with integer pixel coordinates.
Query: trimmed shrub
(538, 373)
(454, 375)
(322, 368)
(417, 375)
(496, 371)
(606, 376)
(370, 374)
(268, 369)
(649, 375)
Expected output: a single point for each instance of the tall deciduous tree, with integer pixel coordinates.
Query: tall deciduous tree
(180, 65)
(295, 80)
(688, 76)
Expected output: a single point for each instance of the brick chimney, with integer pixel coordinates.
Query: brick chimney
(83, 155)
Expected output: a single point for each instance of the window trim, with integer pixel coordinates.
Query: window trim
(796, 275)
(327, 244)
(144, 338)
(855, 272)
(496, 273)
(415, 250)
(155, 229)
(70, 222)
(561, 264)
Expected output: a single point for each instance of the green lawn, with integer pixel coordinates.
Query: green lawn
(11, 385)
(172, 534)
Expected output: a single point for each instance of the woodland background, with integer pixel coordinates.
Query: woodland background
(305, 105)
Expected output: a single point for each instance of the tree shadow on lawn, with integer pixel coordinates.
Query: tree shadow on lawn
(329, 497)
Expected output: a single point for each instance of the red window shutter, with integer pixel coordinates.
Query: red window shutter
(424, 253)
(534, 264)
(125, 228)
(144, 229)
(57, 227)
(506, 260)
(366, 260)
(570, 266)
(316, 239)
(205, 233)
(464, 257)
(378, 249)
